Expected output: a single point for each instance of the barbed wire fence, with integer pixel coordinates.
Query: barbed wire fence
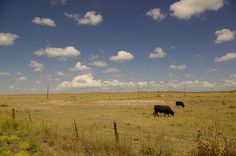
(116, 131)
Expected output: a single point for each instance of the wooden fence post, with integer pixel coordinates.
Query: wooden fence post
(30, 118)
(116, 132)
(13, 114)
(76, 130)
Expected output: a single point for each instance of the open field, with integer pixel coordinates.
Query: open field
(95, 112)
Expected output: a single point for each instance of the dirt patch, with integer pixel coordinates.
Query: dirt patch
(129, 103)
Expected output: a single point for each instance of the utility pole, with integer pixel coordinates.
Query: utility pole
(184, 91)
(138, 90)
(48, 92)
(158, 92)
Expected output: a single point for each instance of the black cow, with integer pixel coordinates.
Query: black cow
(179, 103)
(163, 109)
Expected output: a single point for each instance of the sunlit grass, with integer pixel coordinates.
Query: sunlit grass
(140, 132)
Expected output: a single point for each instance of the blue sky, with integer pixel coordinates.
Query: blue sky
(98, 45)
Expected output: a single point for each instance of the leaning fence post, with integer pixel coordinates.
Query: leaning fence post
(30, 118)
(116, 131)
(13, 114)
(76, 130)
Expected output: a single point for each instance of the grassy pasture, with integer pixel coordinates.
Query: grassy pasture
(95, 113)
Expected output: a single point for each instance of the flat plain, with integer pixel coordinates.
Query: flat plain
(95, 113)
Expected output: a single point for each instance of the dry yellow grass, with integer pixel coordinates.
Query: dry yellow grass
(95, 113)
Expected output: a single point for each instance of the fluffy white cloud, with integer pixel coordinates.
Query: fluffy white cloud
(80, 68)
(178, 67)
(55, 2)
(156, 14)
(157, 53)
(99, 63)
(21, 78)
(87, 81)
(227, 57)
(233, 76)
(90, 18)
(13, 87)
(81, 81)
(4, 74)
(60, 53)
(189, 75)
(122, 56)
(112, 70)
(38, 82)
(60, 73)
(7, 39)
(210, 70)
(229, 82)
(197, 84)
(185, 9)
(19, 74)
(36, 65)
(44, 21)
(197, 56)
(224, 35)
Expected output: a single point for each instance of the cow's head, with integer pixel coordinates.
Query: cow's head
(172, 113)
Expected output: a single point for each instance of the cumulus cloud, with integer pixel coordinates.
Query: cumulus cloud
(210, 70)
(44, 21)
(224, 35)
(80, 68)
(88, 81)
(19, 73)
(90, 18)
(112, 70)
(226, 57)
(60, 53)
(60, 73)
(122, 56)
(185, 9)
(13, 87)
(38, 82)
(21, 78)
(57, 2)
(233, 76)
(99, 63)
(36, 66)
(198, 84)
(7, 39)
(157, 53)
(81, 81)
(4, 74)
(197, 56)
(229, 82)
(189, 75)
(178, 67)
(156, 14)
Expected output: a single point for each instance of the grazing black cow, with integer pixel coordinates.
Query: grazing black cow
(163, 109)
(179, 103)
